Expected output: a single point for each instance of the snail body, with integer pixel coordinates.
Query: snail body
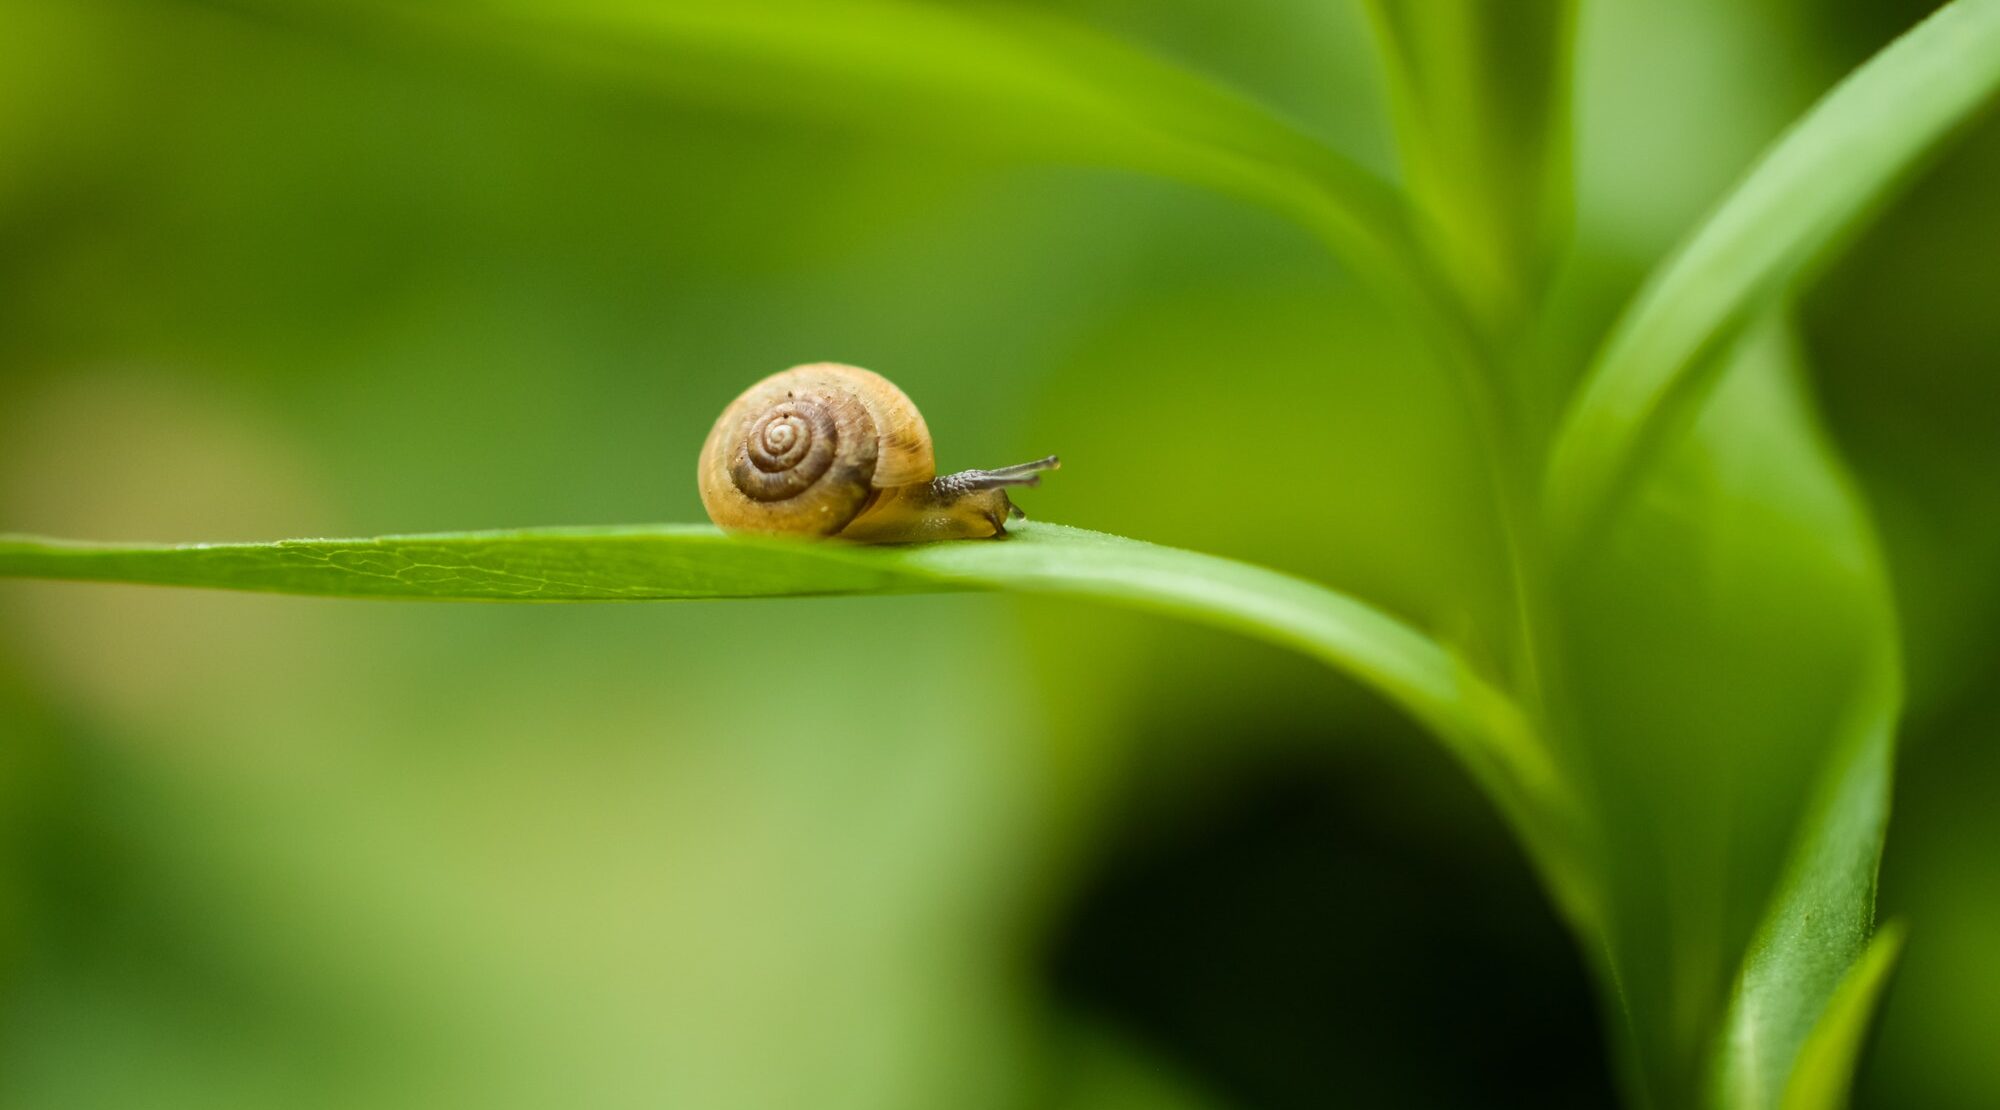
(828, 449)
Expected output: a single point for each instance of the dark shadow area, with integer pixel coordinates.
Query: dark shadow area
(1318, 932)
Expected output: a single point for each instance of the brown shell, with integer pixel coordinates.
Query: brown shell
(803, 450)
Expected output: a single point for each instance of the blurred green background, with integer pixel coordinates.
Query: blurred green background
(266, 276)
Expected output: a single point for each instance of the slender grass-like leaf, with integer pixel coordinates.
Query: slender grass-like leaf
(1807, 191)
(644, 563)
(1811, 974)
(1479, 723)
(1481, 94)
(1731, 663)
(1824, 1074)
(683, 562)
(1005, 81)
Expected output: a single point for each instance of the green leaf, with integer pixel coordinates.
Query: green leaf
(1481, 96)
(1825, 1071)
(1809, 189)
(646, 563)
(1477, 722)
(1806, 990)
(1003, 80)
(1730, 659)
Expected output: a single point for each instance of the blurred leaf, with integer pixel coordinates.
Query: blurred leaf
(1481, 94)
(1809, 188)
(1480, 724)
(1103, 1071)
(1825, 1070)
(995, 78)
(1807, 989)
(1726, 653)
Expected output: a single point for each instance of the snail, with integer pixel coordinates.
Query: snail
(832, 450)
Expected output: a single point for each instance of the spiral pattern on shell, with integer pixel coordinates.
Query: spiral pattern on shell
(804, 450)
(787, 448)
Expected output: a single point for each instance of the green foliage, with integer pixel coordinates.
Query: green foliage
(1693, 737)
(1016, 82)
(1481, 96)
(688, 562)
(1826, 1062)
(1758, 660)
(1812, 974)
(1804, 194)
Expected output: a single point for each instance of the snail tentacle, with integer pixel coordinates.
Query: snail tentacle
(1020, 474)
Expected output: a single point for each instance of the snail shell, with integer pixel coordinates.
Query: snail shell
(827, 449)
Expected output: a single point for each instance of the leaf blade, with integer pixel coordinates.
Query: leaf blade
(695, 562)
(1733, 665)
(1480, 95)
(1808, 980)
(1004, 81)
(556, 564)
(1478, 723)
(1808, 189)
(1824, 1075)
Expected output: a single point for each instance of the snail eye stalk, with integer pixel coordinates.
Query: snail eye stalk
(1022, 474)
